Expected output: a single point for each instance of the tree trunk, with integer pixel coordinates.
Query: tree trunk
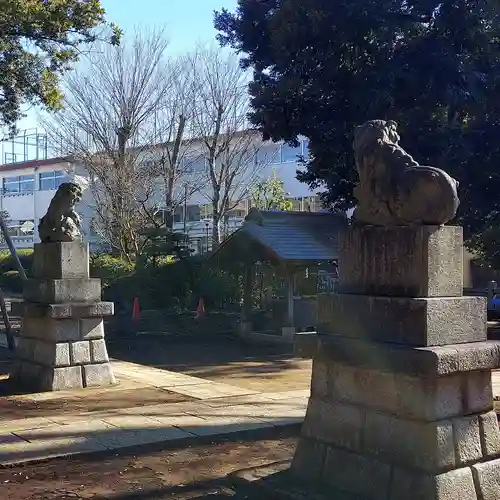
(215, 230)
(215, 217)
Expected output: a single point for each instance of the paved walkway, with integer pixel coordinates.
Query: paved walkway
(214, 409)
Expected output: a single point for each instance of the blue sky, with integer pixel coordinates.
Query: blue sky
(187, 22)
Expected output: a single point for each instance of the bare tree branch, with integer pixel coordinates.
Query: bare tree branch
(124, 121)
(220, 123)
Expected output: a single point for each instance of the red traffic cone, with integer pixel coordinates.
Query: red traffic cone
(136, 313)
(200, 310)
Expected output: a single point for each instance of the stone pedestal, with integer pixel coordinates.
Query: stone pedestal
(401, 403)
(61, 345)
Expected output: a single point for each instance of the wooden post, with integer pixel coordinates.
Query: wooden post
(290, 282)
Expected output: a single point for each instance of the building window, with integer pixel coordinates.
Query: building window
(178, 214)
(196, 164)
(19, 184)
(290, 153)
(236, 213)
(193, 213)
(52, 180)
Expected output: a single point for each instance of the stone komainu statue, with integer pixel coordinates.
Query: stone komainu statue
(393, 188)
(61, 222)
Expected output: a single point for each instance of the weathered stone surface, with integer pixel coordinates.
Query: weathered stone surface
(98, 375)
(80, 352)
(309, 459)
(334, 423)
(415, 361)
(467, 439)
(424, 445)
(51, 354)
(408, 484)
(48, 291)
(490, 434)
(305, 344)
(403, 320)
(478, 392)
(48, 329)
(456, 484)
(29, 373)
(320, 379)
(430, 399)
(91, 328)
(60, 379)
(69, 310)
(370, 388)
(25, 348)
(417, 261)
(61, 260)
(99, 352)
(487, 478)
(354, 473)
(393, 189)
(61, 223)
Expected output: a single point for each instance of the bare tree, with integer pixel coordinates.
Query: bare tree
(173, 157)
(220, 125)
(123, 121)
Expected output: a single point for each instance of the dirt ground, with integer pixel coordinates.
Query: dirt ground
(263, 368)
(196, 471)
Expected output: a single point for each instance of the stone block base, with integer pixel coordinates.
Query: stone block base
(42, 378)
(382, 430)
(48, 291)
(60, 353)
(403, 320)
(279, 480)
(369, 478)
(61, 260)
(409, 261)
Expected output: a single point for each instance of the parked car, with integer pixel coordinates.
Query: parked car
(494, 307)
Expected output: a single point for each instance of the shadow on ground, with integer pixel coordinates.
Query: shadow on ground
(214, 356)
(176, 471)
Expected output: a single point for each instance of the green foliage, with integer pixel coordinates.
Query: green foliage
(162, 246)
(109, 269)
(270, 194)
(177, 286)
(39, 41)
(322, 68)
(9, 275)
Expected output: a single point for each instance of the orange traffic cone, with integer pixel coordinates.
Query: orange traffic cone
(136, 313)
(200, 310)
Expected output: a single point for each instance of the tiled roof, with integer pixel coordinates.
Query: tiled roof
(290, 236)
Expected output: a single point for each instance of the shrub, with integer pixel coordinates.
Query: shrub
(110, 269)
(177, 286)
(9, 275)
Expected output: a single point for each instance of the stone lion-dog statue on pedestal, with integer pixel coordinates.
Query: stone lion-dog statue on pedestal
(61, 222)
(393, 188)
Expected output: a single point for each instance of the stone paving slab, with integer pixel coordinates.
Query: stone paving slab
(210, 390)
(38, 439)
(217, 409)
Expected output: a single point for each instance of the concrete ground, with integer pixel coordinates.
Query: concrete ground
(149, 406)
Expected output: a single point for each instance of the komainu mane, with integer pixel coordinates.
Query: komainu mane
(61, 222)
(393, 188)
